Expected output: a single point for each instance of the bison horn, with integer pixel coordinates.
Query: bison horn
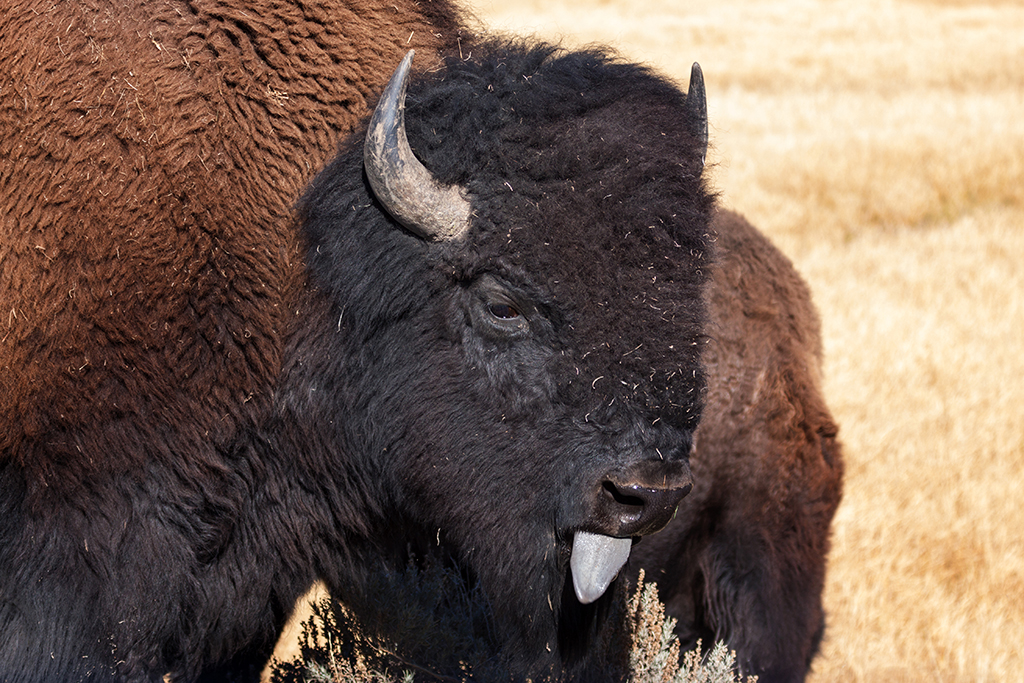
(697, 107)
(405, 188)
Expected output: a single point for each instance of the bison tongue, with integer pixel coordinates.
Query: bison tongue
(595, 561)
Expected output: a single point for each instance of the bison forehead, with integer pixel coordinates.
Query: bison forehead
(629, 291)
(586, 184)
(632, 303)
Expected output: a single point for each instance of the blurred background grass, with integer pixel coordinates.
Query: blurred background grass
(881, 145)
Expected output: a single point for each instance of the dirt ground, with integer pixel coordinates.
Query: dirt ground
(881, 145)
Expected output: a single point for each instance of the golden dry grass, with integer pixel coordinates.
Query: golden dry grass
(881, 145)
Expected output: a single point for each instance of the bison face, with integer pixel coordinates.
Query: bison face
(514, 376)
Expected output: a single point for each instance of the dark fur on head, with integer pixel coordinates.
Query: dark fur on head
(590, 218)
(570, 159)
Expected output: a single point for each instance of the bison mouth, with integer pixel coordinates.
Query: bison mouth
(588, 594)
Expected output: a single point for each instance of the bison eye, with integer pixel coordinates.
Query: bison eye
(497, 312)
(503, 311)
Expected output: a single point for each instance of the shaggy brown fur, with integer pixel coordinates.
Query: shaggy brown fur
(744, 559)
(150, 155)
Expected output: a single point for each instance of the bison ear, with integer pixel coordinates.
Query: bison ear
(402, 184)
(697, 108)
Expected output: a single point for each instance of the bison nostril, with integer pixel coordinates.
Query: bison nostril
(621, 498)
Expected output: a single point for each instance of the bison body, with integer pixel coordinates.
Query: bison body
(210, 400)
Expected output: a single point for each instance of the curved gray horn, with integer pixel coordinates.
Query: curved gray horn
(400, 182)
(697, 107)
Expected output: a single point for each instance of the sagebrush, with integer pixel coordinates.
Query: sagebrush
(428, 625)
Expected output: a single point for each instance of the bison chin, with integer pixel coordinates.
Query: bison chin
(560, 638)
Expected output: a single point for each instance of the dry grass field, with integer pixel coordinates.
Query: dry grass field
(881, 145)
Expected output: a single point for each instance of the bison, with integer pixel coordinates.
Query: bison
(500, 343)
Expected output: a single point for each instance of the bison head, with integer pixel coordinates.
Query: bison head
(507, 359)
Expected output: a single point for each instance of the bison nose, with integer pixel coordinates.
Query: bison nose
(642, 499)
(631, 502)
